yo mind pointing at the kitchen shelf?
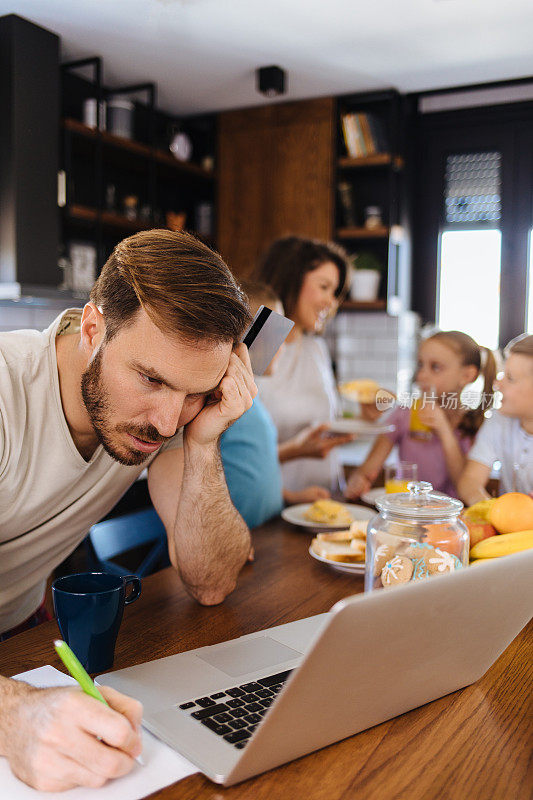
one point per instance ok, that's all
(377, 160)
(363, 305)
(111, 220)
(363, 233)
(137, 148)
(107, 218)
(372, 123)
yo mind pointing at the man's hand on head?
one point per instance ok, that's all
(233, 397)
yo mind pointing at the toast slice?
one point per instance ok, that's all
(340, 551)
(357, 530)
(336, 536)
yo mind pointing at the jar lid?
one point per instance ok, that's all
(420, 502)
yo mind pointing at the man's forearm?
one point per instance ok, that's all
(211, 541)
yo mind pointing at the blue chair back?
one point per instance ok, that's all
(115, 536)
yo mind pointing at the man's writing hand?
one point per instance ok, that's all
(56, 739)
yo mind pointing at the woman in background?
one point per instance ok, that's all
(308, 276)
(249, 447)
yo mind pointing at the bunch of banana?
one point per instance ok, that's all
(480, 510)
(502, 545)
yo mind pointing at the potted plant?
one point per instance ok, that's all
(366, 277)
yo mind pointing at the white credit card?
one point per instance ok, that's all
(265, 336)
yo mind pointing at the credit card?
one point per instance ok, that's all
(265, 336)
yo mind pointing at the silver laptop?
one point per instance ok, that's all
(245, 706)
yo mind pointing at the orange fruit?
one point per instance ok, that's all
(512, 512)
(443, 536)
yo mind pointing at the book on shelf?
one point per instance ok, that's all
(370, 144)
(364, 134)
(348, 134)
(353, 137)
(360, 139)
(347, 204)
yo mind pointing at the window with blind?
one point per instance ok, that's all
(469, 262)
(473, 217)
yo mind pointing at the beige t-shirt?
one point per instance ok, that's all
(49, 495)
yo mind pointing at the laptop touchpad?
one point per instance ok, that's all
(239, 658)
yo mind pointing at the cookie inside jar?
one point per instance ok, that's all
(417, 535)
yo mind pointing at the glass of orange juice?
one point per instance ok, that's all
(397, 476)
(417, 429)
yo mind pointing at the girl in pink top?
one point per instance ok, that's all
(447, 362)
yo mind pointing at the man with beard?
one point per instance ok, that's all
(148, 374)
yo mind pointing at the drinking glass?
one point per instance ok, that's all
(397, 476)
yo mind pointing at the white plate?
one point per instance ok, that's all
(372, 495)
(359, 426)
(357, 568)
(295, 514)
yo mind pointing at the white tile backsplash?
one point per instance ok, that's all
(375, 345)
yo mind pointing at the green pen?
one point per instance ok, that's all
(80, 675)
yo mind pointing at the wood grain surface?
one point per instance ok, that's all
(275, 168)
(474, 744)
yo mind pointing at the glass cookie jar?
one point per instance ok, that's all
(416, 535)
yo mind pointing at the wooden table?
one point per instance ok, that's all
(473, 744)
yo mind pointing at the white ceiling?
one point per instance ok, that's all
(203, 53)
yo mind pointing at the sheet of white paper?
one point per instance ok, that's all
(162, 765)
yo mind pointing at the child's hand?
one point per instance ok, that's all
(308, 495)
(358, 484)
(434, 418)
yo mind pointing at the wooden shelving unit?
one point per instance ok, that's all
(117, 222)
(107, 218)
(373, 123)
(363, 233)
(359, 305)
(82, 213)
(110, 221)
(116, 186)
(138, 149)
(377, 160)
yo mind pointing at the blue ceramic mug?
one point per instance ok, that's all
(89, 607)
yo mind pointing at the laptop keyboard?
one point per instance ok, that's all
(235, 714)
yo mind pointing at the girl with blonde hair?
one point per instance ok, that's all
(448, 361)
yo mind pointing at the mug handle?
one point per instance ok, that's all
(135, 583)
